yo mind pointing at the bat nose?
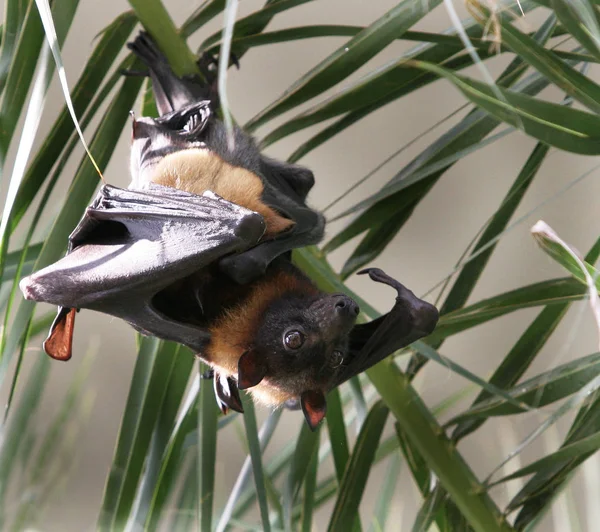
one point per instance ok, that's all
(345, 305)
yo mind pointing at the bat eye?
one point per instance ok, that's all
(293, 340)
(336, 359)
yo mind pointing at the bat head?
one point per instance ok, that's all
(299, 346)
(154, 138)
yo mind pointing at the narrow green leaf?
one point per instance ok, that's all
(20, 75)
(172, 457)
(337, 433)
(416, 463)
(390, 81)
(256, 457)
(471, 272)
(14, 15)
(327, 488)
(397, 209)
(83, 186)
(310, 484)
(54, 441)
(575, 84)
(559, 250)
(202, 14)
(360, 404)
(55, 44)
(433, 503)
(357, 472)
(207, 452)
(523, 352)
(255, 22)
(184, 517)
(23, 65)
(438, 54)
(95, 70)
(165, 427)
(539, 391)
(471, 130)
(157, 21)
(14, 257)
(517, 361)
(264, 436)
(386, 494)
(583, 447)
(154, 366)
(565, 258)
(348, 58)
(420, 426)
(305, 447)
(568, 129)
(337, 30)
(224, 55)
(581, 21)
(432, 354)
(542, 487)
(553, 292)
(19, 422)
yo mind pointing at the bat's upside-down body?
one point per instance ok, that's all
(197, 251)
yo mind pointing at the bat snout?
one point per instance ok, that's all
(346, 306)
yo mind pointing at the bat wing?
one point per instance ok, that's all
(130, 245)
(411, 318)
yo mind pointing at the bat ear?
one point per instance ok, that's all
(59, 343)
(314, 406)
(251, 369)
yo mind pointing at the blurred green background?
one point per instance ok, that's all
(65, 464)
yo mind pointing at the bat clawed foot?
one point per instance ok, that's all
(227, 394)
(209, 64)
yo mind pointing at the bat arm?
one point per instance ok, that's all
(253, 263)
(131, 245)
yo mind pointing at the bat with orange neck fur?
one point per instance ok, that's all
(196, 251)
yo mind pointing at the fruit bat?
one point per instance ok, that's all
(197, 250)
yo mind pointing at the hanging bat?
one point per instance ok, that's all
(197, 251)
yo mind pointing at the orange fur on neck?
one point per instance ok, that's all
(197, 170)
(233, 333)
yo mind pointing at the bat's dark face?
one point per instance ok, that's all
(305, 340)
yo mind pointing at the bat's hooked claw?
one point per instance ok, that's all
(227, 394)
